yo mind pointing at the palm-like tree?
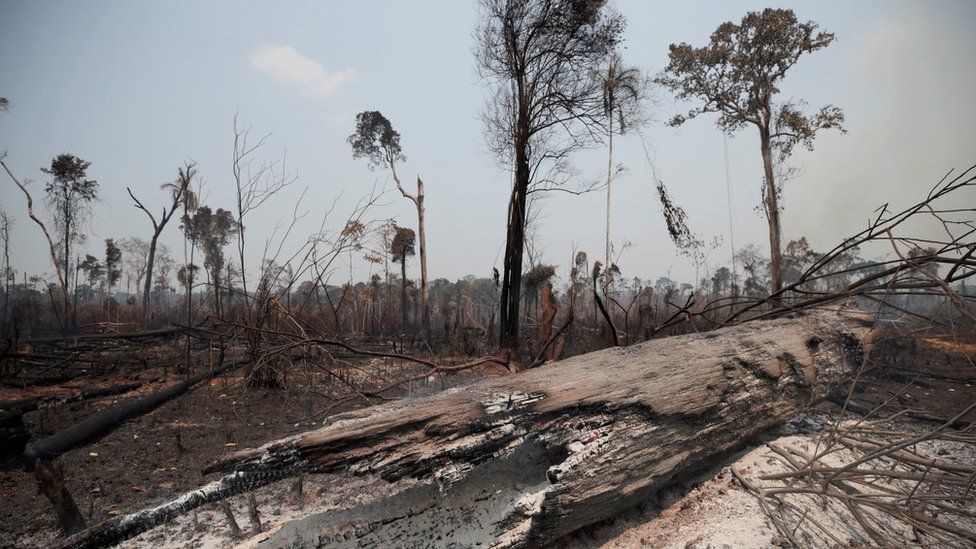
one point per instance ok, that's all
(181, 191)
(622, 98)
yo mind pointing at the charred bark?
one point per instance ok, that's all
(51, 484)
(524, 460)
(14, 434)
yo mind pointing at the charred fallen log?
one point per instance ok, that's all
(106, 421)
(24, 405)
(115, 530)
(162, 333)
(576, 442)
(525, 459)
(14, 434)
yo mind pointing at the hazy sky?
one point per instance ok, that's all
(137, 88)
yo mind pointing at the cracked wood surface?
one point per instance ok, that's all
(570, 443)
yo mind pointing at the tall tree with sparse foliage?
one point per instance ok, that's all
(377, 141)
(542, 58)
(623, 98)
(738, 75)
(70, 194)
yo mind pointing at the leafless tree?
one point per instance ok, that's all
(179, 187)
(135, 259)
(255, 182)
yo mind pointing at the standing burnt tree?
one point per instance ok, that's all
(737, 74)
(377, 141)
(541, 57)
(179, 188)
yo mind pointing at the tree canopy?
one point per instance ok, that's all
(376, 140)
(402, 245)
(740, 70)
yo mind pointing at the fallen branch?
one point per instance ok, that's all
(118, 529)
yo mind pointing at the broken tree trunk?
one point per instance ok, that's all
(526, 459)
(51, 483)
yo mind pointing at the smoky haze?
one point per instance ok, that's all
(137, 89)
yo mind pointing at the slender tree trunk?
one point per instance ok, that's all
(66, 214)
(606, 264)
(403, 293)
(30, 303)
(61, 274)
(188, 265)
(74, 304)
(772, 214)
(422, 236)
(149, 274)
(514, 247)
(189, 307)
(418, 201)
(7, 276)
(67, 261)
(215, 278)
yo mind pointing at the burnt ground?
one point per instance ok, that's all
(160, 455)
(929, 379)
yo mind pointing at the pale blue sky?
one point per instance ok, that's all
(138, 87)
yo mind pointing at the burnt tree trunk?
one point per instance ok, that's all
(515, 240)
(101, 423)
(772, 211)
(523, 460)
(51, 484)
